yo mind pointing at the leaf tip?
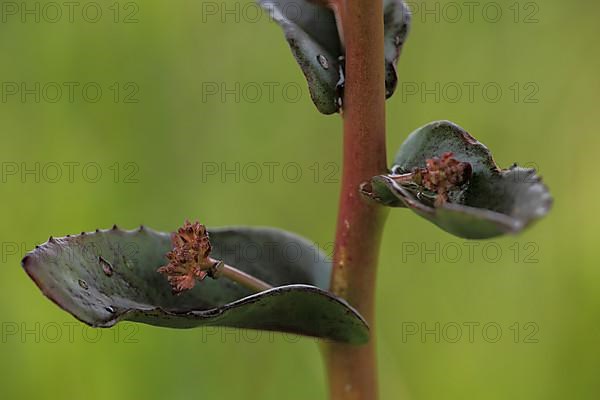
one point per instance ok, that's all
(26, 260)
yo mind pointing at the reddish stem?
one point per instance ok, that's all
(352, 370)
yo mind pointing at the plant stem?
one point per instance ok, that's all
(352, 370)
(220, 269)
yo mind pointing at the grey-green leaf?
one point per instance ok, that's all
(312, 34)
(108, 276)
(396, 19)
(493, 203)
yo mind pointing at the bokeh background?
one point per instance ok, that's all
(156, 125)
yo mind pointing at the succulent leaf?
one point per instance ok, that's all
(310, 27)
(312, 35)
(108, 276)
(396, 20)
(492, 203)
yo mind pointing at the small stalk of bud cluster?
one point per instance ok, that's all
(190, 262)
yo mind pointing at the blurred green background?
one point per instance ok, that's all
(154, 125)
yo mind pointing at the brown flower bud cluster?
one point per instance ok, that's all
(442, 175)
(189, 259)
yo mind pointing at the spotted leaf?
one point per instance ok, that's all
(108, 276)
(493, 202)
